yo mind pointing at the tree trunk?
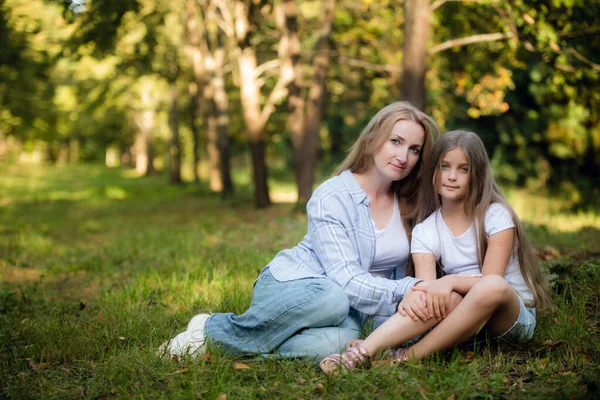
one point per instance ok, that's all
(193, 33)
(175, 144)
(214, 161)
(416, 34)
(259, 167)
(63, 153)
(305, 118)
(193, 110)
(221, 106)
(3, 147)
(250, 97)
(74, 150)
(316, 105)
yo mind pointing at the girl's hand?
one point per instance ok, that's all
(438, 296)
(414, 305)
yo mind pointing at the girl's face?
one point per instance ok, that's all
(454, 176)
(400, 153)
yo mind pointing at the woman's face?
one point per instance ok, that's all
(401, 151)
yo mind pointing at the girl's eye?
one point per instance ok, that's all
(395, 141)
(464, 169)
(415, 150)
(444, 166)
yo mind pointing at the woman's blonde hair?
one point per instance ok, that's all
(361, 155)
(484, 191)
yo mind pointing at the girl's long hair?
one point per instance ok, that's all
(484, 191)
(373, 137)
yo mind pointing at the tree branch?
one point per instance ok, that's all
(266, 66)
(438, 3)
(226, 21)
(354, 62)
(583, 59)
(488, 37)
(278, 92)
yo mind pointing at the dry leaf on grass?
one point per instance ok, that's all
(179, 371)
(320, 387)
(239, 365)
(379, 363)
(553, 343)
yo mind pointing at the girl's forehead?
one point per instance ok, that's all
(455, 151)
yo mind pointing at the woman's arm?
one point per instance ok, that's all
(328, 226)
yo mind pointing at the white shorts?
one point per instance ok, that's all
(523, 327)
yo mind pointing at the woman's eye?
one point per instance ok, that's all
(395, 141)
(415, 150)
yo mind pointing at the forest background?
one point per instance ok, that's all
(142, 143)
(196, 85)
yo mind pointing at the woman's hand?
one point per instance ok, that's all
(438, 296)
(414, 305)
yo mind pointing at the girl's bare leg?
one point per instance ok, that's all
(491, 301)
(398, 329)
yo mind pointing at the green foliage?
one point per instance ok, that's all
(72, 73)
(98, 268)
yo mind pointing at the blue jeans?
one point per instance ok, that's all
(299, 318)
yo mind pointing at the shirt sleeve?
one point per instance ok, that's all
(497, 219)
(328, 226)
(423, 241)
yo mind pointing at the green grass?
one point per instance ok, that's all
(98, 267)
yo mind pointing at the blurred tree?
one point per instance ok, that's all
(304, 117)
(207, 53)
(240, 21)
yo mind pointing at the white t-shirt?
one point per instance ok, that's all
(391, 246)
(458, 255)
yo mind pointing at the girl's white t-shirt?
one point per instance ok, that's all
(391, 246)
(458, 255)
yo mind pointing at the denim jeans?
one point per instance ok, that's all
(299, 318)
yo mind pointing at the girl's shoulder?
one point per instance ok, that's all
(497, 218)
(430, 224)
(497, 210)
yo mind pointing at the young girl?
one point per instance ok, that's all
(481, 244)
(350, 264)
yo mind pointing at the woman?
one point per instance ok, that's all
(309, 301)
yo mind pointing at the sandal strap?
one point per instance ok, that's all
(399, 355)
(354, 357)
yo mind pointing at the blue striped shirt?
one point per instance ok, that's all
(340, 244)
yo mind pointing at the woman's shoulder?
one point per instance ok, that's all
(331, 187)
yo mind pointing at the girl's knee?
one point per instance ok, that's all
(455, 299)
(491, 290)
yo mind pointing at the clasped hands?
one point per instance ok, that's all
(426, 300)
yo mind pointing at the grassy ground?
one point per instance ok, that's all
(98, 267)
